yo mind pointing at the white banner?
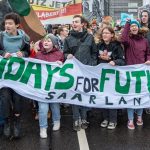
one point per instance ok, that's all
(101, 86)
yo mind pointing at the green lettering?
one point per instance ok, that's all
(11, 75)
(31, 71)
(148, 79)
(3, 63)
(50, 76)
(124, 89)
(138, 75)
(104, 78)
(70, 82)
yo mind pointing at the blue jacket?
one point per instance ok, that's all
(24, 47)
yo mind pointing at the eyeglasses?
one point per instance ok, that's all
(106, 33)
(66, 30)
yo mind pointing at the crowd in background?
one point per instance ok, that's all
(91, 44)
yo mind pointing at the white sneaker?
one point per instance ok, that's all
(43, 133)
(111, 125)
(56, 125)
(104, 124)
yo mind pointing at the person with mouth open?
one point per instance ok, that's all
(137, 51)
(80, 44)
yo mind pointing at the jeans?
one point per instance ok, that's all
(11, 102)
(43, 110)
(130, 111)
(79, 112)
(110, 115)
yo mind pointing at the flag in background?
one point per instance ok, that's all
(21, 7)
(124, 17)
(29, 20)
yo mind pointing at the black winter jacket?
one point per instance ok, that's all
(82, 46)
(148, 37)
(115, 52)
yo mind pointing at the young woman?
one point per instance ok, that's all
(137, 51)
(49, 53)
(111, 52)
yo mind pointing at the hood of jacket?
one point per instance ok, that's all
(79, 35)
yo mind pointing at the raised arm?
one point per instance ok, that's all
(125, 39)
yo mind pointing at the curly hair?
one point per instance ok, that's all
(98, 37)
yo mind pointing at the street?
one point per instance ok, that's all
(94, 138)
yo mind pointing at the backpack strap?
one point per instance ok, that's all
(1, 41)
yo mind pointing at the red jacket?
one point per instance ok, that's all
(52, 56)
(32, 53)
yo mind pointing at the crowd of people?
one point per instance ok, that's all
(91, 45)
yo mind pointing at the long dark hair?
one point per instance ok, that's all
(148, 18)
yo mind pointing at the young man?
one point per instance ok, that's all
(13, 41)
(80, 44)
(62, 34)
(145, 22)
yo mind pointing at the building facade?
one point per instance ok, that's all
(95, 9)
(146, 2)
(4, 9)
(124, 6)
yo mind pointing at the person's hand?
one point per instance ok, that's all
(19, 54)
(147, 62)
(37, 46)
(112, 63)
(59, 62)
(138, 19)
(70, 56)
(7, 55)
(32, 45)
(105, 52)
(128, 19)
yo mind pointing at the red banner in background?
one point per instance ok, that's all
(57, 11)
(66, 11)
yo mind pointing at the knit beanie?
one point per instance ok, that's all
(53, 39)
(135, 22)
